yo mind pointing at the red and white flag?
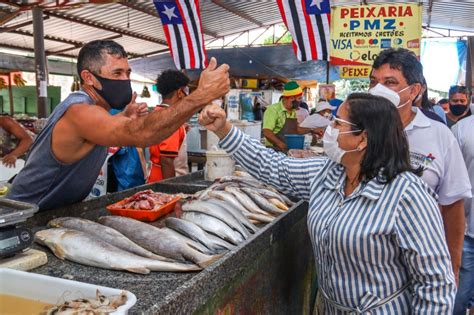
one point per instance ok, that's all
(183, 29)
(308, 23)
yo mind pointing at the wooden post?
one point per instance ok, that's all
(10, 93)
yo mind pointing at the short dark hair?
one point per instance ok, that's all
(443, 101)
(169, 81)
(387, 153)
(459, 89)
(403, 60)
(91, 56)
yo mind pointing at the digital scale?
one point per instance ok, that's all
(15, 237)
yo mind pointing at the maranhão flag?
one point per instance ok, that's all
(183, 30)
(308, 23)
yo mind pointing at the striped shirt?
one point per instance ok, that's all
(366, 245)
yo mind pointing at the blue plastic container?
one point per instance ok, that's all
(294, 141)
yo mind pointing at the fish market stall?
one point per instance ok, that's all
(270, 272)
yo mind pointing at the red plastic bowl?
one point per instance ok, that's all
(142, 215)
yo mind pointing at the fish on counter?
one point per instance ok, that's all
(105, 233)
(194, 232)
(81, 248)
(214, 226)
(158, 240)
(219, 213)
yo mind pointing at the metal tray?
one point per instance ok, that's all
(12, 212)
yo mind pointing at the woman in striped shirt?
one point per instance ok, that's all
(375, 227)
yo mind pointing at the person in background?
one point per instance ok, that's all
(301, 113)
(444, 104)
(68, 154)
(257, 109)
(375, 227)
(423, 103)
(14, 141)
(459, 101)
(464, 133)
(325, 109)
(304, 105)
(127, 166)
(173, 86)
(336, 103)
(280, 118)
(397, 74)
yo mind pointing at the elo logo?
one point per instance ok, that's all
(354, 55)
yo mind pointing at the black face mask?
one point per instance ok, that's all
(295, 104)
(118, 93)
(457, 109)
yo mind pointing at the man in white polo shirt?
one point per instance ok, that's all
(464, 131)
(398, 75)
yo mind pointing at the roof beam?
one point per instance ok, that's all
(49, 37)
(19, 25)
(245, 16)
(9, 17)
(32, 50)
(99, 25)
(137, 7)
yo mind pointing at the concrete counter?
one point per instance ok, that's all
(270, 273)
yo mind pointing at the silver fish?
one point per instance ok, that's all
(79, 247)
(192, 243)
(157, 240)
(268, 194)
(245, 200)
(260, 217)
(228, 198)
(262, 202)
(105, 233)
(236, 213)
(277, 203)
(217, 212)
(214, 226)
(193, 231)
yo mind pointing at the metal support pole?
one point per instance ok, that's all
(470, 63)
(10, 93)
(40, 62)
(328, 68)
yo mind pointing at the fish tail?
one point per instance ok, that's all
(209, 260)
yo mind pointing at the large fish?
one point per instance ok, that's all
(268, 194)
(217, 212)
(190, 242)
(79, 247)
(214, 226)
(228, 198)
(199, 235)
(245, 200)
(105, 233)
(157, 240)
(236, 213)
(262, 202)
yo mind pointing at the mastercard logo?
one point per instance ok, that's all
(360, 42)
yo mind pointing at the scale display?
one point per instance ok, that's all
(9, 242)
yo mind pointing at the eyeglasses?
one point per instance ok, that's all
(338, 120)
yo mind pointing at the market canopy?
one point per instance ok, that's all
(136, 25)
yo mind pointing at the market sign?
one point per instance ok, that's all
(359, 33)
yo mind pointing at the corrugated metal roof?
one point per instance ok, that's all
(144, 33)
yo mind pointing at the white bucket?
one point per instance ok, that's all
(218, 164)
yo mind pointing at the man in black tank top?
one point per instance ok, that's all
(66, 157)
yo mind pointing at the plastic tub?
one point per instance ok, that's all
(294, 141)
(53, 290)
(142, 215)
(218, 164)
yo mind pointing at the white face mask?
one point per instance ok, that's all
(391, 95)
(331, 146)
